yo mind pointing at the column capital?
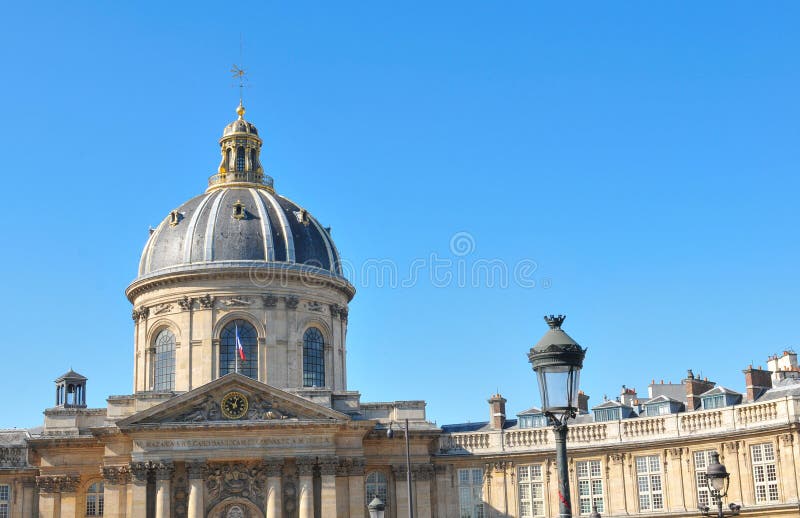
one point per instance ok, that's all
(116, 475)
(440, 469)
(48, 484)
(273, 467)
(328, 465)
(423, 472)
(305, 466)
(28, 481)
(141, 471)
(399, 470)
(196, 468)
(164, 470)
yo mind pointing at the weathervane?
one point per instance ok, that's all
(240, 74)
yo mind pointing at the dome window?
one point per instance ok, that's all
(313, 358)
(174, 218)
(238, 210)
(302, 216)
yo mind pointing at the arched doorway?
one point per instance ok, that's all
(235, 508)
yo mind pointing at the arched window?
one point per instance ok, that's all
(240, 159)
(313, 358)
(375, 485)
(164, 379)
(94, 500)
(229, 355)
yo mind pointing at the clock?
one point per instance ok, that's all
(234, 405)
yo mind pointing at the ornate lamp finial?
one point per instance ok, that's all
(555, 321)
(240, 110)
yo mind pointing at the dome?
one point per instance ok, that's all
(239, 221)
(238, 226)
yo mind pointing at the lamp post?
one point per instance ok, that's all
(376, 508)
(718, 480)
(390, 434)
(557, 360)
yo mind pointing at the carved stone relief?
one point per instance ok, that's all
(237, 480)
(13, 457)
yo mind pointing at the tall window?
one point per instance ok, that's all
(765, 475)
(94, 500)
(313, 358)
(590, 486)
(5, 498)
(229, 355)
(649, 483)
(531, 491)
(375, 485)
(240, 159)
(701, 461)
(470, 492)
(165, 361)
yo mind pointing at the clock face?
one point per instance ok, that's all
(234, 405)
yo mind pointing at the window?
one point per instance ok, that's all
(532, 421)
(240, 159)
(701, 461)
(164, 379)
(313, 358)
(649, 483)
(710, 402)
(590, 486)
(5, 498)
(659, 409)
(94, 500)
(229, 357)
(531, 491)
(470, 492)
(607, 414)
(375, 485)
(765, 476)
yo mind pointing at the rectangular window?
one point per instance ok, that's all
(649, 483)
(531, 491)
(532, 421)
(713, 402)
(659, 409)
(701, 461)
(470, 492)
(590, 486)
(607, 414)
(5, 499)
(765, 475)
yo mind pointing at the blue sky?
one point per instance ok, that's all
(643, 155)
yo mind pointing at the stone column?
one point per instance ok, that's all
(195, 470)
(28, 490)
(422, 485)
(163, 489)
(274, 503)
(305, 493)
(137, 490)
(355, 488)
(443, 488)
(69, 497)
(400, 490)
(115, 491)
(786, 468)
(49, 497)
(327, 468)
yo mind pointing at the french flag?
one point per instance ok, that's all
(239, 347)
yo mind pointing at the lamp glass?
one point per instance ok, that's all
(717, 483)
(558, 385)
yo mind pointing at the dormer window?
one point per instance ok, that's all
(607, 414)
(174, 218)
(711, 402)
(532, 421)
(238, 210)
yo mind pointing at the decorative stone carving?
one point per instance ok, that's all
(180, 497)
(140, 314)
(335, 309)
(305, 466)
(440, 469)
(273, 467)
(289, 498)
(343, 467)
(186, 303)
(58, 483)
(116, 475)
(357, 466)
(314, 306)
(12, 457)
(270, 300)
(261, 409)
(328, 465)
(425, 471)
(343, 314)
(732, 446)
(675, 452)
(195, 469)
(162, 308)
(164, 470)
(291, 302)
(140, 471)
(206, 301)
(786, 439)
(237, 302)
(48, 484)
(399, 470)
(235, 480)
(207, 411)
(616, 457)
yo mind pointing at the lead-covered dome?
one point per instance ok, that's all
(239, 221)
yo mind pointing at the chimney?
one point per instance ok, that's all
(497, 412)
(694, 387)
(757, 382)
(583, 403)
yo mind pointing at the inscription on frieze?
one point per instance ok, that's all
(306, 441)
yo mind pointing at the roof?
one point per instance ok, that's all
(662, 399)
(720, 390)
(482, 426)
(531, 411)
(782, 388)
(611, 404)
(71, 375)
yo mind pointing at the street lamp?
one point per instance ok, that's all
(557, 360)
(718, 480)
(376, 508)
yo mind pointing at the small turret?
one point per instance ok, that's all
(71, 390)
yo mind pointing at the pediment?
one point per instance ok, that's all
(265, 404)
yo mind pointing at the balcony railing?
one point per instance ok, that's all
(700, 423)
(241, 177)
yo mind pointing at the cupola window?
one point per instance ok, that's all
(230, 358)
(164, 379)
(313, 358)
(240, 159)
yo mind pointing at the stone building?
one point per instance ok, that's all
(241, 408)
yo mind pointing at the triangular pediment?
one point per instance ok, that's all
(232, 399)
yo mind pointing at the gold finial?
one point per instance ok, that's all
(240, 110)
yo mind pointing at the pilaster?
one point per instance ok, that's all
(305, 471)
(115, 491)
(137, 489)
(328, 466)
(274, 501)
(422, 489)
(195, 471)
(355, 481)
(164, 472)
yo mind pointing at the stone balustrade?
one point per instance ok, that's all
(701, 423)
